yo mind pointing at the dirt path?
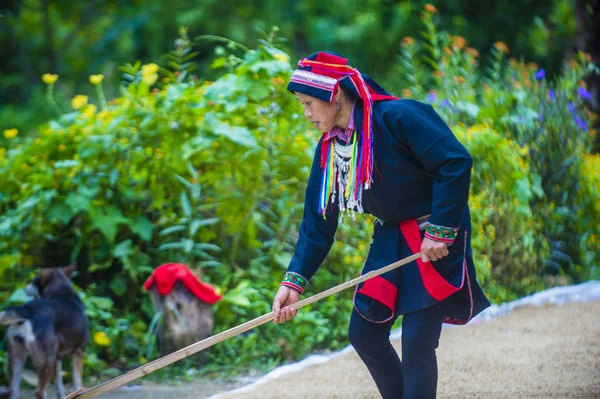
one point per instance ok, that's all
(533, 352)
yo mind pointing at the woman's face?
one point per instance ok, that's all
(322, 114)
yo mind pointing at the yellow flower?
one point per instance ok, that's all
(101, 339)
(62, 147)
(281, 57)
(406, 93)
(90, 110)
(150, 78)
(96, 79)
(11, 133)
(49, 78)
(430, 8)
(79, 101)
(149, 69)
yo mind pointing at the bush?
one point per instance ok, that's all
(507, 239)
(211, 174)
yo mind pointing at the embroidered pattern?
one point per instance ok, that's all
(441, 233)
(295, 280)
(314, 80)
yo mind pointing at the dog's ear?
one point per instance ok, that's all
(70, 269)
(43, 278)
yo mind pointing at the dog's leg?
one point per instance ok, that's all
(17, 356)
(78, 368)
(45, 372)
(43, 354)
(60, 388)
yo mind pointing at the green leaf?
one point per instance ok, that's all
(61, 213)
(171, 230)
(143, 227)
(238, 134)
(79, 203)
(207, 246)
(223, 88)
(196, 224)
(121, 250)
(100, 302)
(118, 285)
(283, 259)
(107, 221)
(185, 204)
(211, 263)
(188, 245)
(171, 245)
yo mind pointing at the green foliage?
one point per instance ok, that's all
(210, 174)
(515, 98)
(507, 238)
(38, 36)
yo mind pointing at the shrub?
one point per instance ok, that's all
(507, 238)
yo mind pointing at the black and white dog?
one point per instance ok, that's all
(48, 328)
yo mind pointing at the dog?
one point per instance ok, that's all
(48, 328)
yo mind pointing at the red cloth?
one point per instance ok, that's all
(165, 276)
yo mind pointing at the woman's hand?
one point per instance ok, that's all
(433, 250)
(285, 296)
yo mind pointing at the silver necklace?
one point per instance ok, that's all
(341, 165)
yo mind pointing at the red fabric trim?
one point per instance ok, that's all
(381, 290)
(434, 283)
(331, 59)
(435, 238)
(165, 276)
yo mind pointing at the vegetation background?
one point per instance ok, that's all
(135, 134)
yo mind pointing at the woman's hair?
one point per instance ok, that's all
(347, 94)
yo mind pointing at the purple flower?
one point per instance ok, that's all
(540, 74)
(444, 103)
(571, 108)
(540, 117)
(431, 97)
(580, 122)
(551, 94)
(583, 93)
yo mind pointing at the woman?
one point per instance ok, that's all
(397, 160)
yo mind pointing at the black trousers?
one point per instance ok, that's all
(416, 375)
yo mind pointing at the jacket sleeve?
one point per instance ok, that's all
(316, 232)
(443, 156)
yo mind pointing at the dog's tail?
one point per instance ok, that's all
(10, 316)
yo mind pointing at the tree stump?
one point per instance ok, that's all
(186, 318)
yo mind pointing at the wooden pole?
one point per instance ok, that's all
(222, 336)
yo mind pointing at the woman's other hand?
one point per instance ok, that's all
(285, 296)
(433, 250)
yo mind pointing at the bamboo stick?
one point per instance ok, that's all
(222, 336)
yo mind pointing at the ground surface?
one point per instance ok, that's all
(533, 352)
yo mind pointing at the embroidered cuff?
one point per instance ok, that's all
(441, 233)
(295, 281)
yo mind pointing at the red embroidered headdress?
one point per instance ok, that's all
(320, 76)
